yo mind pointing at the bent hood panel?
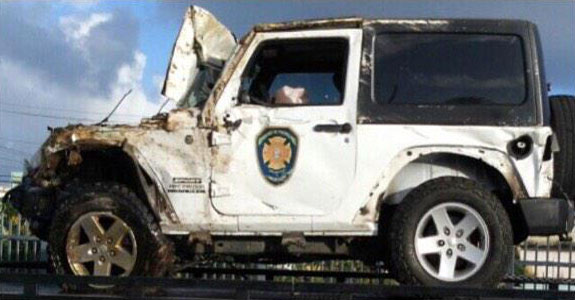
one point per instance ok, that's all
(202, 48)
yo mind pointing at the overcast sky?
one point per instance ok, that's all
(66, 62)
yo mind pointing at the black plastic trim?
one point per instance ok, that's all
(547, 216)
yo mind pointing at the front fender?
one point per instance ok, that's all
(64, 153)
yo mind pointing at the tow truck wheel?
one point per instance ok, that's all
(450, 231)
(103, 229)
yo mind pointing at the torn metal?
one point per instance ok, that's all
(202, 48)
(162, 136)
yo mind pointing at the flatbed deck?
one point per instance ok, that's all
(50, 286)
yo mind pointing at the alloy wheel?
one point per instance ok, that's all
(452, 241)
(101, 244)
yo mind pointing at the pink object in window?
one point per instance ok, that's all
(291, 95)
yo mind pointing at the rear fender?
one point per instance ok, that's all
(496, 159)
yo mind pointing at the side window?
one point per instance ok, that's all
(449, 69)
(296, 72)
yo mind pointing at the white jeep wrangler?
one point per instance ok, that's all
(426, 144)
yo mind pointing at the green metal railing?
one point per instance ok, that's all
(17, 244)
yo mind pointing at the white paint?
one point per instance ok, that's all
(338, 179)
(337, 175)
(316, 172)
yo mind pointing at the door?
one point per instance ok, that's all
(292, 145)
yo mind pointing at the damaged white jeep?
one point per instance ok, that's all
(430, 145)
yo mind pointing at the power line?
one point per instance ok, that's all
(8, 181)
(13, 159)
(66, 109)
(13, 163)
(15, 150)
(20, 141)
(12, 168)
(14, 155)
(10, 159)
(7, 175)
(47, 116)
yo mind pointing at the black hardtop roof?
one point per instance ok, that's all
(356, 22)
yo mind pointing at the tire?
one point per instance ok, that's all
(454, 195)
(563, 123)
(111, 206)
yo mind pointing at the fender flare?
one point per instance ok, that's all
(160, 204)
(497, 159)
(149, 185)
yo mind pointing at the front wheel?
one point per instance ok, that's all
(450, 231)
(103, 229)
(100, 243)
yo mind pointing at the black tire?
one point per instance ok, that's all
(155, 252)
(405, 266)
(563, 123)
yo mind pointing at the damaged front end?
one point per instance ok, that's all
(34, 198)
(52, 168)
(135, 155)
(129, 155)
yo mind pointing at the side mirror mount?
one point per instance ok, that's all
(244, 97)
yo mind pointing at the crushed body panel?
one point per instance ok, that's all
(202, 48)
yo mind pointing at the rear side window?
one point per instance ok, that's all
(449, 69)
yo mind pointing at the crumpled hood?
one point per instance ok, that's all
(84, 137)
(116, 134)
(201, 49)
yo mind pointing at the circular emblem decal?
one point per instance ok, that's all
(277, 150)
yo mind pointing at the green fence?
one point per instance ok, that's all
(16, 242)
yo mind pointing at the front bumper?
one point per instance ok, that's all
(547, 216)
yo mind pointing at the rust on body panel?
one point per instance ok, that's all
(153, 140)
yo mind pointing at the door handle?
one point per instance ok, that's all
(333, 128)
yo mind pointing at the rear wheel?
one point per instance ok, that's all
(451, 252)
(450, 231)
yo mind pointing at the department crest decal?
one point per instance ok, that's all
(277, 152)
